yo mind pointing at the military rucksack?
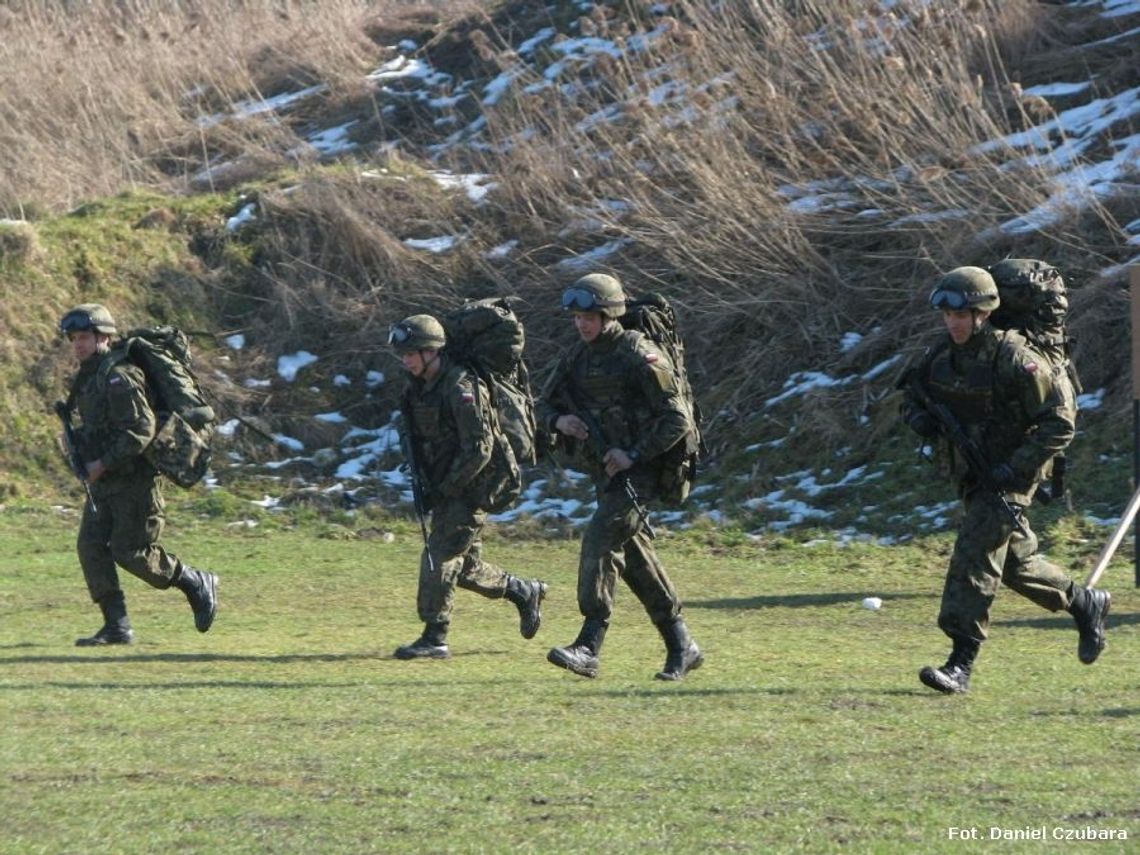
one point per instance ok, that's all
(180, 449)
(653, 316)
(1035, 303)
(488, 338)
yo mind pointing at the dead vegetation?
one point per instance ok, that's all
(786, 172)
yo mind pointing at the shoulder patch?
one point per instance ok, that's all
(1030, 367)
(467, 397)
(115, 380)
(651, 358)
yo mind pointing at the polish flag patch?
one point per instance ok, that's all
(1030, 368)
(467, 397)
(115, 380)
(651, 358)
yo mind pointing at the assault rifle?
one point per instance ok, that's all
(419, 501)
(71, 446)
(598, 440)
(973, 455)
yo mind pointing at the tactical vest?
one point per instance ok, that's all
(604, 388)
(498, 484)
(969, 394)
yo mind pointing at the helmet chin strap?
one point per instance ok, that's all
(428, 363)
(980, 317)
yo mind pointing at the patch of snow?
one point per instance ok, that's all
(288, 365)
(435, 244)
(247, 214)
(1091, 400)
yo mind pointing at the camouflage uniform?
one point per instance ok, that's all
(452, 446)
(453, 449)
(117, 425)
(625, 383)
(1019, 409)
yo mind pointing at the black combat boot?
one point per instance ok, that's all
(201, 590)
(527, 597)
(116, 627)
(581, 657)
(1089, 608)
(431, 645)
(682, 654)
(953, 678)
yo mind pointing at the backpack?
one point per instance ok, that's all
(180, 449)
(1035, 303)
(487, 337)
(653, 316)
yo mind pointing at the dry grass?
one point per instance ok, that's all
(712, 139)
(109, 95)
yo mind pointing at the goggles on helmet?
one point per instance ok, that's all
(955, 300)
(584, 300)
(75, 322)
(399, 333)
(581, 300)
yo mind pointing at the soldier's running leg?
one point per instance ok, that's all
(490, 580)
(454, 530)
(94, 551)
(1047, 585)
(972, 582)
(600, 561)
(646, 577)
(138, 518)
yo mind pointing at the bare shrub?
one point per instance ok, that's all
(18, 242)
(111, 95)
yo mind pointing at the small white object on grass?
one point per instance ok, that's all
(872, 603)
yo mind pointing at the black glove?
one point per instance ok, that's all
(924, 424)
(1002, 474)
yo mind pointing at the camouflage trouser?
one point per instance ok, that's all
(125, 531)
(615, 544)
(988, 552)
(455, 551)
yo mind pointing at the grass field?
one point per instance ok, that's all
(289, 727)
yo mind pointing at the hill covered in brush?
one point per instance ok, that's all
(289, 178)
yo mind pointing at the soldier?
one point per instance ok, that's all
(618, 384)
(449, 444)
(1020, 414)
(123, 523)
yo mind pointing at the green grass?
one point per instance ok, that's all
(288, 728)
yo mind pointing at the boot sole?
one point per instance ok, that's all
(408, 657)
(104, 642)
(204, 622)
(929, 678)
(542, 588)
(1089, 660)
(554, 659)
(671, 677)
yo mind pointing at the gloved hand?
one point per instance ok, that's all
(924, 424)
(1002, 474)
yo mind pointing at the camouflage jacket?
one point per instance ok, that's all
(451, 431)
(117, 422)
(626, 384)
(1017, 406)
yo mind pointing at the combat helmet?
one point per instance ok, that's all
(965, 288)
(88, 316)
(596, 292)
(417, 332)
